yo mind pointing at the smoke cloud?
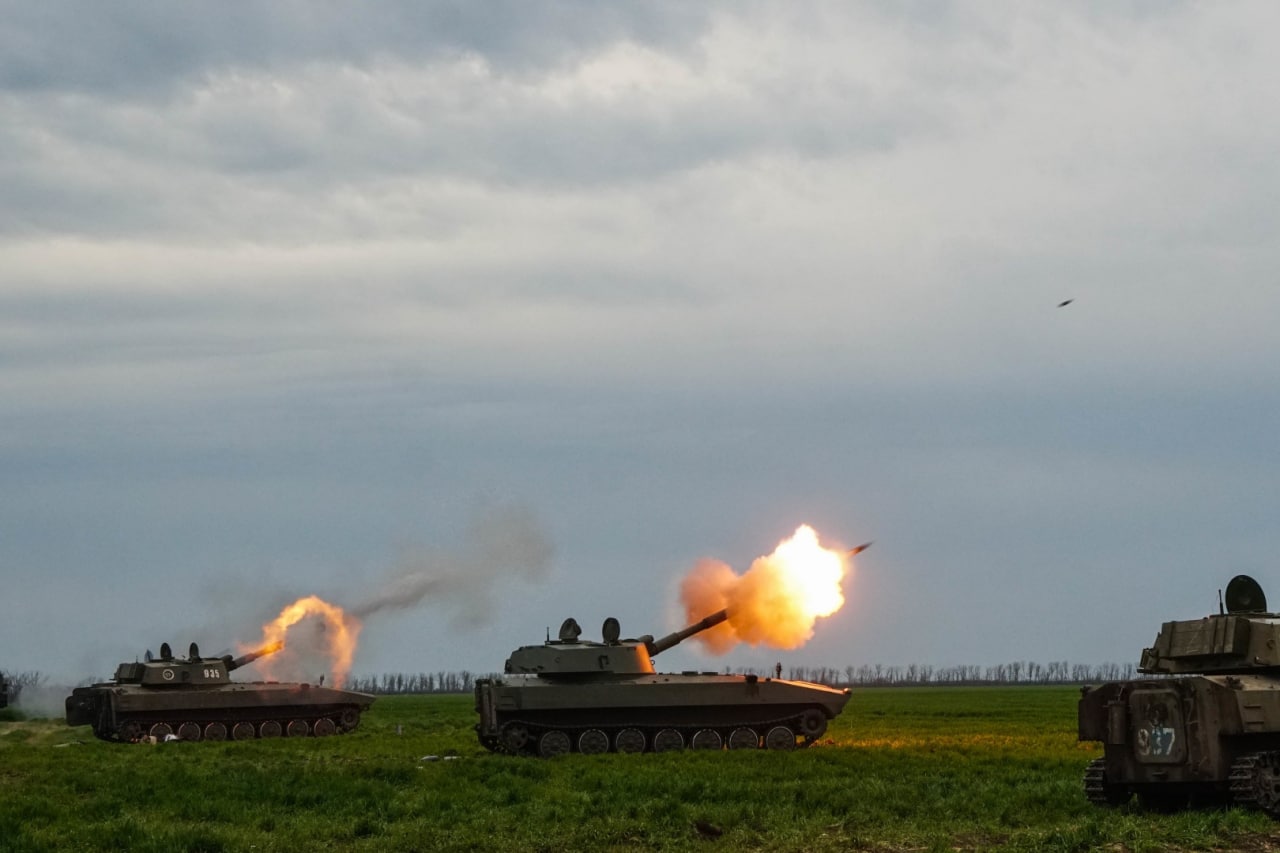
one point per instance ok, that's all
(42, 701)
(504, 543)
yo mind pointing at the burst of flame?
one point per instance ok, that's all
(336, 639)
(776, 602)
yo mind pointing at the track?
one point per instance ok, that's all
(531, 737)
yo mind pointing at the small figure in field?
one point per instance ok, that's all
(777, 669)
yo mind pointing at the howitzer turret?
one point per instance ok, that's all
(569, 656)
(194, 699)
(578, 695)
(1208, 726)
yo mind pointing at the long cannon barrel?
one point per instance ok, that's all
(661, 645)
(245, 659)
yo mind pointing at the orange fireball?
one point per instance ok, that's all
(332, 638)
(776, 602)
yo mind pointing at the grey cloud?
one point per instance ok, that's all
(142, 46)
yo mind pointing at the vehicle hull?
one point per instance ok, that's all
(1169, 740)
(687, 704)
(249, 709)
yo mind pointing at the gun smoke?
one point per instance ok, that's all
(502, 544)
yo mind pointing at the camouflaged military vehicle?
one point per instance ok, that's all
(194, 699)
(572, 695)
(1208, 726)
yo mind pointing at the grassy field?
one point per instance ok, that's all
(900, 769)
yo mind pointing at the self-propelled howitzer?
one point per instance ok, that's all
(1206, 725)
(193, 698)
(573, 695)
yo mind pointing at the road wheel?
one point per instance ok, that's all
(349, 718)
(592, 742)
(629, 740)
(744, 738)
(780, 737)
(189, 731)
(215, 731)
(324, 727)
(668, 740)
(161, 730)
(706, 739)
(298, 728)
(271, 728)
(553, 743)
(243, 731)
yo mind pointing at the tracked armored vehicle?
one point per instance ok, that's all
(571, 695)
(1206, 727)
(194, 699)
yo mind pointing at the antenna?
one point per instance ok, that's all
(1221, 611)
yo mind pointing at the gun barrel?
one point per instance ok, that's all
(250, 657)
(662, 644)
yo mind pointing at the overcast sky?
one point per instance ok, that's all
(553, 299)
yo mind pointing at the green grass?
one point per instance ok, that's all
(901, 769)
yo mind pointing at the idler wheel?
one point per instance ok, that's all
(349, 718)
(130, 731)
(243, 731)
(592, 742)
(780, 737)
(161, 730)
(706, 739)
(215, 731)
(553, 743)
(189, 731)
(668, 740)
(629, 740)
(324, 727)
(812, 724)
(271, 728)
(298, 728)
(514, 736)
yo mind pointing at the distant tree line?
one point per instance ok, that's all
(414, 682)
(866, 675)
(16, 682)
(1014, 672)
